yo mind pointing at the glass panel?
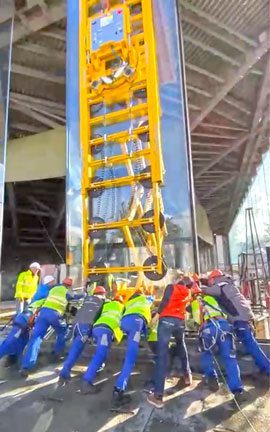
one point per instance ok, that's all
(73, 177)
(6, 27)
(180, 244)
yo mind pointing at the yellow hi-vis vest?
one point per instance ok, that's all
(205, 309)
(152, 334)
(37, 304)
(111, 315)
(26, 285)
(139, 305)
(57, 299)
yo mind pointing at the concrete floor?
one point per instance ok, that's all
(38, 405)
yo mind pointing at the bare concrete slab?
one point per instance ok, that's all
(38, 405)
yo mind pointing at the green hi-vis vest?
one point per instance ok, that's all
(139, 305)
(110, 316)
(205, 309)
(57, 299)
(152, 334)
(37, 304)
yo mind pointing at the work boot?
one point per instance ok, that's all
(24, 373)
(120, 398)
(62, 381)
(55, 358)
(149, 387)
(213, 384)
(155, 400)
(240, 396)
(88, 388)
(11, 360)
(102, 367)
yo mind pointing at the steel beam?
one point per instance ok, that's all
(219, 186)
(37, 74)
(32, 114)
(36, 22)
(250, 150)
(42, 206)
(233, 77)
(26, 127)
(42, 50)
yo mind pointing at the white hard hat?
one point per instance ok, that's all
(47, 279)
(35, 265)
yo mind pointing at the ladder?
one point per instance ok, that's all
(120, 139)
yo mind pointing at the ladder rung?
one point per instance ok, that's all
(137, 109)
(120, 224)
(121, 181)
(136, 17)
(119, 135)
(119, 159)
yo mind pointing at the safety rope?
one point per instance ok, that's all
(234, 399)
(48, 235)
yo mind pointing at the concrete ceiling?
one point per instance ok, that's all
(227, 75)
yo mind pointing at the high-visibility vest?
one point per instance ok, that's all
(152, 334)
(26, 285)
(57, 299)
(205, 309)
(37, 304)
(140, 306)
(110, 316)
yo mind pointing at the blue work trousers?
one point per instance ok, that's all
(15, 342)
(133, 325)
(244, 333)
(218, 334)
(82, 332)
(168, 327)
(46, 318)
(103, 337)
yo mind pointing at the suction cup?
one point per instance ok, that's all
(96, 277)
(147, 183)
(154, 275)
(96, 192)
(96, 234)
(150, 228)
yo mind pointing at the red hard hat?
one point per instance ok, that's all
(99, 290)
(215, 273)
(68, 281)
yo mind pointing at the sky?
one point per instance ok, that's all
(258, 198)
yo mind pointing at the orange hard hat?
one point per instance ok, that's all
(68, 281)
(215, 273)
(99, 290)
(118, 298)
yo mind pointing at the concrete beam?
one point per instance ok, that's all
(38, 101)
(26, 127)
(41, 205)
(233, 77)
(34, 23)
(56, 34)
(32, 114)
(37, 74)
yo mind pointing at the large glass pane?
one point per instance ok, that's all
(180, 244)
(6, 26)
(73, 176)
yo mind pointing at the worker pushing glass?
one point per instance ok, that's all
(83, 324)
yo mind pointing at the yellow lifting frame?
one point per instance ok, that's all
(153, 153)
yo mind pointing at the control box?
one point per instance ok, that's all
(108, 28)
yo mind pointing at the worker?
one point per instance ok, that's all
(215, 332)
(51, 314)
(18, 337)
(26, 286)
(171, 317)
(105, 330)
(239, 313)
(135, 320)
(83, 323)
